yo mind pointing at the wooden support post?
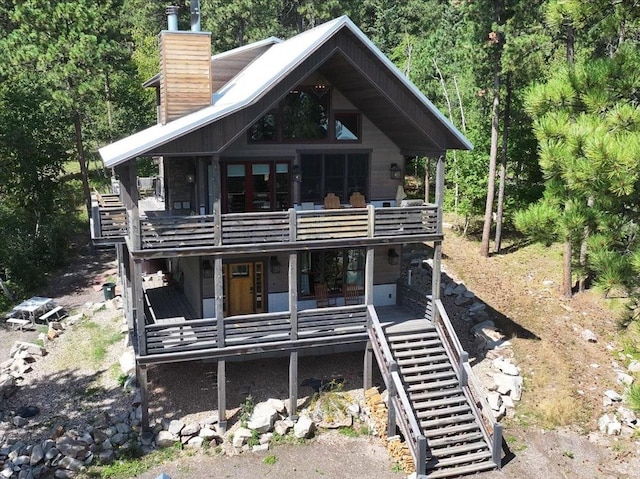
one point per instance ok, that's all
(219, 300)
(368, 276)
(141, 372)
(134, 212)
(464, 360)
(497, 445)
(293, 385)
(222, 396)
(367, 376)
(217, 202)
(293, 315)
(391, 410)
(138, 307)
(421, 466)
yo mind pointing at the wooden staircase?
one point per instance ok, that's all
(456, 444)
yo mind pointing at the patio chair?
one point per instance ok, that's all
(322, 296)
(357, 200)
(351, 294)
(331, 201)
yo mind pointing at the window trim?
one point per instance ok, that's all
(355, 113)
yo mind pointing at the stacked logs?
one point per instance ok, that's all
(396, 447)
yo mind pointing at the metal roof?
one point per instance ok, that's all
(251, 84)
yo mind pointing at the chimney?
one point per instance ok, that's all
(172, 18)
(185, 67)
(195, 15)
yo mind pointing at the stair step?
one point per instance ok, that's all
(444, 411)
(423, 359)
(445, 421)
(415, 344)
(394, 338)
(455, 460)
(460, 449)
(419, 405)
(422, 352)
(422, 368)
(446, 431)
(461, 470)
(456, 439)
(439, 393)
(409, 379)
(432, 385)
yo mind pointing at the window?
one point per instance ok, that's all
(305, 114)
(339, 173)
(265, 129)
(256, 186)
(347, 126)
(334, 268)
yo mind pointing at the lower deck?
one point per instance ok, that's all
(171, 332)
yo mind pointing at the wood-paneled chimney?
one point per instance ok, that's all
(185, 67)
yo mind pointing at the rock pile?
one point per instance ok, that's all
(617, 419)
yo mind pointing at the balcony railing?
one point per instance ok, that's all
(161, 232)
(288, 226)
(178, 339)
(108, 219)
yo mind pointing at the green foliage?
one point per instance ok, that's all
(246, 409)
(538, 222)
(134, 465)
(270, 460)
(633, 397)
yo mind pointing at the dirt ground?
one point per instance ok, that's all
(549, 437)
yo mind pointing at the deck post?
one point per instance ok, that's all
(497, 445)
(391, 411)
(222, 396)
(368, 276)
(141, 372)
(368, 366)
(138, 307)
(293, 385)
(134, 212)
(437, 245)
(293, 315)
(217, 202)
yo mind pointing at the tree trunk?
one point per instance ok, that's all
(84, 168)
(493, 157)
(567, 290)
(6, 290)
(583, 250)
(571, 39)
(503, 167)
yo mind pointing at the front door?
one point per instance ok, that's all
(245, 283)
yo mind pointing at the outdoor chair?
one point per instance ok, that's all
(322, 296)
(331, 201)
(357, 200)
(351, 294)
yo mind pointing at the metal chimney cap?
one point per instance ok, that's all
(173, 10)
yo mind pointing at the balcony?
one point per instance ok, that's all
(161, 234)
(108, 220)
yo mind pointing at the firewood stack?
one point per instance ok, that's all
(396, 447)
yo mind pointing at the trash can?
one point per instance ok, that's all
(109, 290)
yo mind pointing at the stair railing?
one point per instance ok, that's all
(491, 429)
(400, 410)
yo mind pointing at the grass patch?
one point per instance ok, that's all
(348, 431)
(101, 339)
(558, 411)
(633, 397)
(568, 454)
(278, 439)
(133, 466)
(270, 460)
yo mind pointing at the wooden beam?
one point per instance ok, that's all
(141, 372)
(368, 366)
(219, 299)
(222, 395)
(138, 306)
(293, 385)
(134, 212)
(368, 276)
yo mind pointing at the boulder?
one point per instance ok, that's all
(505, 366)
(589, 336)
(283, 426)
(165, 439)
(304, 428)
(495, 400)
(263, 417)
(190, 430)
(128, 362)
(175, 426)
(624, 378)
(634, 366)
(195, 442)
(614, 396)
(37, 455)
(241, 436)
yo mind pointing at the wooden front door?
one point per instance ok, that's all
(245, 283)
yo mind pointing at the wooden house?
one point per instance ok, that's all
(280, 229)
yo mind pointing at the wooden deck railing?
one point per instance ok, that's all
(401, 413)
(108, 219)
(284, 227)
(491, 429)
(174, 339)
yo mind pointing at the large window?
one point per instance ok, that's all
(256, 186)
(333, 268)
(339, 173)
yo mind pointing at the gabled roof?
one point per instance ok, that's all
(255, 81)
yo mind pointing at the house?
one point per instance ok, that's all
(280, 227)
